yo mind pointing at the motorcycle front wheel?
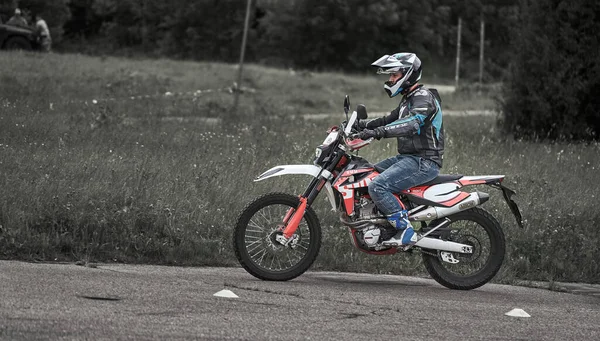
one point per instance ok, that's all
(475, 227)
(255, 244)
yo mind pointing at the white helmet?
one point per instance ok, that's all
(406, 63)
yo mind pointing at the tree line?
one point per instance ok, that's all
(543, 51)
(315, 34)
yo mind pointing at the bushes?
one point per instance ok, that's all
(554, 79)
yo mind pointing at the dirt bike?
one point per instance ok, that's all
(278, 236)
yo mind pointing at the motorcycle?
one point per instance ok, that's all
(277, 236)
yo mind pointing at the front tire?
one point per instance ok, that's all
(479, 229)
(254, 239)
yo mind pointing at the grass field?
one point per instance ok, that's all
(154, 180)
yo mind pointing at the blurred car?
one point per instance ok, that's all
(17, 37)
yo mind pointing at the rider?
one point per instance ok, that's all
(417, 125)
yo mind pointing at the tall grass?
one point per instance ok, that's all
(154, 180)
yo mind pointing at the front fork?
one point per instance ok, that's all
(294, 216)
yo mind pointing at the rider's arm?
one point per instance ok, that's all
(378, 122)
(405, 127)
(422, 108)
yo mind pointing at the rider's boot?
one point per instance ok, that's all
(406, 234)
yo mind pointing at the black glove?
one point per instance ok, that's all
(361, 124)
(377, 133)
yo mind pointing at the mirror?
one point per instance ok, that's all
(347, 104)
(361, 110)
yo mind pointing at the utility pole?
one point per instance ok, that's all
(238, 85)
(458, 53)
(144, 26)
(481, 46)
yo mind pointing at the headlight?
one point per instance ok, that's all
(319, 155)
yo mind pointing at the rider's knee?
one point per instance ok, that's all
(377, 186)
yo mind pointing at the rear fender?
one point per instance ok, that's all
(496, 182)
(480, 179)
(508, 194)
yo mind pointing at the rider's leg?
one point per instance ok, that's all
(408, 171)
(406, 234)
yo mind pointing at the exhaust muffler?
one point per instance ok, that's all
(434, 212)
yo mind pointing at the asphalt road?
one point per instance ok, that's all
(58, 301)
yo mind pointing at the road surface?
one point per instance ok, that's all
(65, 301)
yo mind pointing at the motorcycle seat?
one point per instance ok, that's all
(441, 178)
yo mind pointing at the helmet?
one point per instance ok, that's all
(406, 63)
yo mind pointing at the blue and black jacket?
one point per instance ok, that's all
(417, 124)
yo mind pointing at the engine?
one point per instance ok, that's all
(366, 210)
(370, 226)
(371, 235)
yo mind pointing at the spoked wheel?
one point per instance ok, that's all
(479, 229)
(255, 239)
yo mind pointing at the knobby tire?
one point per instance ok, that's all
(239, 238)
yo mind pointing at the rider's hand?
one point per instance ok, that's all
(377, 133)
(361, 124)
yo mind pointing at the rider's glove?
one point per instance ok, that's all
(362, 124)
(377, 133)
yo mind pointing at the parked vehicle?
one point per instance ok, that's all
(278, 235)
(17, 38)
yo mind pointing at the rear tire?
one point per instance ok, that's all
(17, 43)
(258, 252)
(446, 274)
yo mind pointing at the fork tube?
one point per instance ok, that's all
(292, 226)
(315, 190)
(294, 215)
(311, 186)
(288, 215)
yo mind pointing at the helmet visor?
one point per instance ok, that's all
(391, 71)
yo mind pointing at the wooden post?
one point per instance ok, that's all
(238, 85)
(144, 26)
(458, 53)
(481, 47)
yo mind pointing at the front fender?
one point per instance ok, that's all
(311, 170)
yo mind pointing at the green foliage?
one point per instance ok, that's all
(310, 34)
(554, 80)
(204, 30)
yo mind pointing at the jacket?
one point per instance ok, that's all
(417, 124)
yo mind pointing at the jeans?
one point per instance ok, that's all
(401, 172)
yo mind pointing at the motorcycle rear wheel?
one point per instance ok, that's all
(254, 239)
(478, 228)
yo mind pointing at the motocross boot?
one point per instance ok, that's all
(406, 234)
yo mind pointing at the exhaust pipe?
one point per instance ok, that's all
(434, 212)
(362, 223)
(442, 245)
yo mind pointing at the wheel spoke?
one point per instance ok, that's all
(261, 257)
(470, 233)
(256, 254)
(255, 225)
(257, 241)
